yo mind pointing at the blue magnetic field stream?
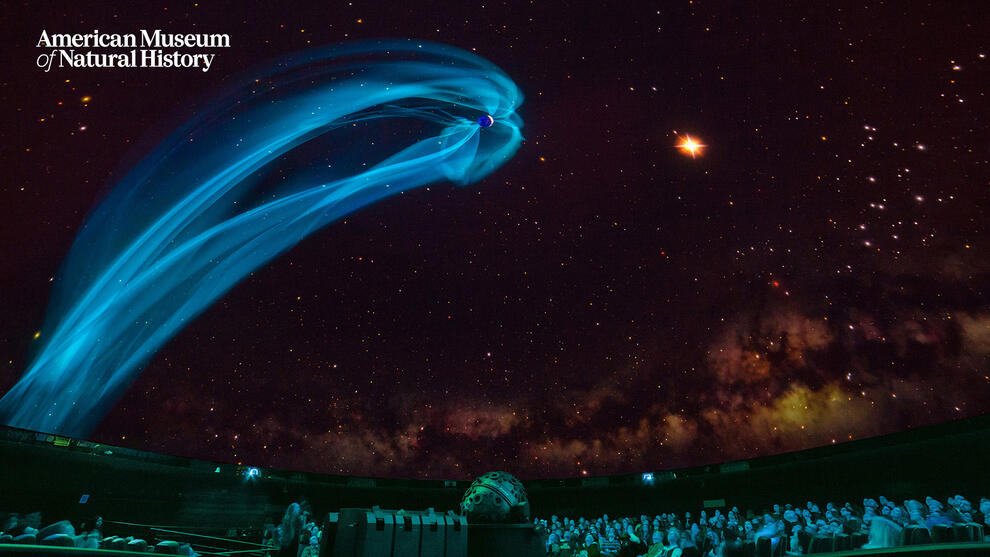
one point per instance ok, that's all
(293, 147)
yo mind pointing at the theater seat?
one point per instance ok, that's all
(942, 533)
(917, 535)
(26, 539)
(732, 550)
(139, 546)
(859, 539)
(60, 540)
(804, 539)
(60, 527)
(822, 544)
(167, 547)
(968, 532)
(6, 538)
(842, 543)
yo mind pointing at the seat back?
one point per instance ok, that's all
(943, 533)
(917, 535)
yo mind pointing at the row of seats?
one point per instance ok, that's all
(942, 533)
(911, 535)
(115, 543)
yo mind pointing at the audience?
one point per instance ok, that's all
(778, 530)
(297, 535)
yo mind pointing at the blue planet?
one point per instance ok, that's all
(486, 121)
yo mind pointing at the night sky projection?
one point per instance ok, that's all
(728, 233)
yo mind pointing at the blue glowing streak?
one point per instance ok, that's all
(302, 143)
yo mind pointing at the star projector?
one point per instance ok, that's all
(496, 497)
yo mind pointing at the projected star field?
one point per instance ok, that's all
(727, 233)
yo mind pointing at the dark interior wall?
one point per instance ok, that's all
(52, 480)
(939, 465)
(129, 486)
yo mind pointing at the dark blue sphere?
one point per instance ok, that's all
(486, 121)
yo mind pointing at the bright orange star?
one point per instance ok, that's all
(690, 146)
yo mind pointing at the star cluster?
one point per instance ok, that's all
(611, 300)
